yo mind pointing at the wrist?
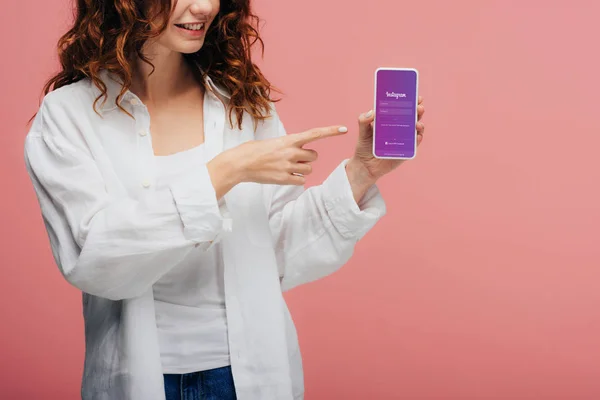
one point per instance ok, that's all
(359, 177)
(224, 172)
(359, 173)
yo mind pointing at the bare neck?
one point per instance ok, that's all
(172, 76)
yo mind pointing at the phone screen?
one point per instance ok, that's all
(395, 113)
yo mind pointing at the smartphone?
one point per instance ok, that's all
(395, 125)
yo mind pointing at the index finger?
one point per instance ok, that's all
(300, 139)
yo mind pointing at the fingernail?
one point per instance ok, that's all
(343, 129)
(368, 115)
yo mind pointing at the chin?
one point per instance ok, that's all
(190, 49)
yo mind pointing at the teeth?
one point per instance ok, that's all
(193, 27)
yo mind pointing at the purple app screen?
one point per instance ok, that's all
(395, 113)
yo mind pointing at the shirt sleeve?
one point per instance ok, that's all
(316, 230)
(104, 242)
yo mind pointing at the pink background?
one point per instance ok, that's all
(483, 280)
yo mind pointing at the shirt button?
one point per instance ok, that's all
(197, 245)
(143, 133)
(134, 102)
(146, 184)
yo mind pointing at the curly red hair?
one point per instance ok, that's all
(109, 34)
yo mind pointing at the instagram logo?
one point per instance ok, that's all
(395, 95)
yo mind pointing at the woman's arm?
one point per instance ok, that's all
(109, 244)
(315, 230)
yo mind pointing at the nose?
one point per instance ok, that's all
(201, 7)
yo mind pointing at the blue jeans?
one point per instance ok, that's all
(213, 384)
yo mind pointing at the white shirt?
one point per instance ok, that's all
(113, 235)
(190, 298)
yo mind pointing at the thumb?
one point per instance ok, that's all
(365, 129)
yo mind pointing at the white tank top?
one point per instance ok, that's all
(190, 298)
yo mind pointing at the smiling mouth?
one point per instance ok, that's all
(191, 27)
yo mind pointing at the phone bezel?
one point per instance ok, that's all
(415, 112)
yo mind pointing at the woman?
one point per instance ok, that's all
(173, 200)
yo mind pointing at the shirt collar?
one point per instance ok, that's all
(113, 88)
